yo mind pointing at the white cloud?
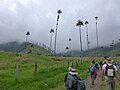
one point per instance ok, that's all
(39, 16)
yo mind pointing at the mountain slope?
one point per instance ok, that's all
(24, 47)
(101, 51)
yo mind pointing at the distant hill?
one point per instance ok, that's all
(31, 48)
(101, 51)
(24, 47)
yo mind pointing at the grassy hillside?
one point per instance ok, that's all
(33, 49)
(30, 48)
(24, 47)
(101, 51)
(50, 71)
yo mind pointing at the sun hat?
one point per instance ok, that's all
(70, 68)
(109, 60)
(73, 72)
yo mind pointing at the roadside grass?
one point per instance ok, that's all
(50, 71)
(103, 85)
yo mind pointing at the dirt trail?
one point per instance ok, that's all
(97, 82)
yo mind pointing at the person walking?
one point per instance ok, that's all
(109, 74)
(73, 81)
(117, 64)
(67, 78)
(92, 72)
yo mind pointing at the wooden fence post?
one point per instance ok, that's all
(77, 62)
(56, 66)
(47, 68)
(68, 63)
(63, 65)
(72, 63)
(16, 72)
(35, 67)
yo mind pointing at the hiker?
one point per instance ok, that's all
(97, 65)
(92, 72)
(75, 82)
(72, 81)
(67, 78)
(100, 63)
(103, 62)
(117, 64)
(109, 71)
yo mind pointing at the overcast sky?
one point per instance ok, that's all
(39, 16)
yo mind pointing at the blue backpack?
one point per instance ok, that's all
(68, 79)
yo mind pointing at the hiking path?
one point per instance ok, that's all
(97, 82)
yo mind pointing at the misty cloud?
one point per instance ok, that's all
(39, 16)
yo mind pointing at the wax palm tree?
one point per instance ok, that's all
(58, 16)
(80, 23)
(27, 34)
(86, 23)
(67, 49)
(111, 45)
(113, 42)
(96, 18)
(51, 31)
(97, 31)
(70, 44)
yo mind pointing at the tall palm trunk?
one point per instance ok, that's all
(97, 32)
(87, 37)
(70, 45)
(80, 23)
(97, 36)
(51, 31)
(51, 43)
(80, 40)
(27, 34)
(55, 38)
(70, 48)
(58, 12)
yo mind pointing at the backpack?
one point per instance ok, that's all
(68, 77)
(92, 69)
(110, 71)
(79, 85)
(97, 66)
(95, 74)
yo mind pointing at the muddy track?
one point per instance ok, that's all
(97, 82)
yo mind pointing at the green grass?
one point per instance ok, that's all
(103, 85)
(50, 71)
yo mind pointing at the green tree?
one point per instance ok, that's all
(70, 44)
(58, 16)
(27, 34)
(51, 31)
(86, 23)
(80, 24)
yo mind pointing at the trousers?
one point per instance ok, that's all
(110, 83)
